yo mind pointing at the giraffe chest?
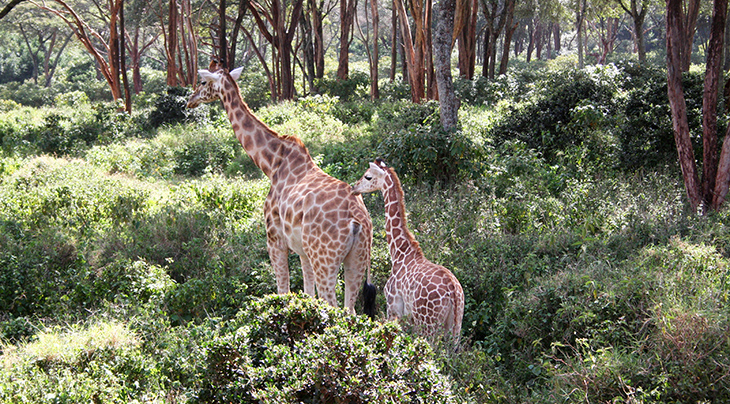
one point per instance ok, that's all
(311, 212)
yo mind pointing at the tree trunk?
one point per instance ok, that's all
(123, 60)
(509, 30)
(114, 48)
(678, 104)
(394, 41)
(709, 101)
(414, 67)
(222, 46)
(448, 104)
(689, 25)
(374, 89)
(347, 16)
(171, 45)
(579, 17)
(465, 27)
(531, 43)
(318, 34)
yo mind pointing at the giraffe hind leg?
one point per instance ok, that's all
(356, 264)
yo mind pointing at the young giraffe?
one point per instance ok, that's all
(427, 293)
(306, 210)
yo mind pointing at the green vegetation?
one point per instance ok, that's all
(133, 264)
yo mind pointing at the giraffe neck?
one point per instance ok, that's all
(401, 242)
(267, 149)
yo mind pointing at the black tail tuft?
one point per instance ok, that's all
(369, 291)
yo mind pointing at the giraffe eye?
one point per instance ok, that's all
(367, 177)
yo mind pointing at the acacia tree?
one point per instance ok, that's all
(278, 22)
(140, 34)
(495, 15)
(637, 9)
(45, 38)
(177, 23)
(373, 54)
(107, 52)
(414, 53)
(710, 191)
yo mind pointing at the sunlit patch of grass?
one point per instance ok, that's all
(66, 347)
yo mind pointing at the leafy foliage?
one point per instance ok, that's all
(292, 348)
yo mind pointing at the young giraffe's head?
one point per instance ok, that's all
(211, 84)
(373, 179)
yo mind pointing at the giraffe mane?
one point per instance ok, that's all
(402, 208)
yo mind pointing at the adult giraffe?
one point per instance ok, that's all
(306, 211)
(426, 294)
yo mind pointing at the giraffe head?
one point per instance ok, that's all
(373, 179)
(212, 84)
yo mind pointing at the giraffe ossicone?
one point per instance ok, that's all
(427, 294)
(306, 211)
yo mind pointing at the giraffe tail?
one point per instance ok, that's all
(369, 291)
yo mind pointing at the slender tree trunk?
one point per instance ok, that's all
(465, 25)
(678, 104)
(414, 67)
(580, 14)
(172, 44)
(123, 60)
(374, 89)
(509, 30)
(531, 43)
(222, 46)
(448, 104)
(347, 15)
(689, 25)
(318, 34)
(394, 41)
(709, 101)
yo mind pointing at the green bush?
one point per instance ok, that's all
(357, 86)
(291, 348)
(171, 108)
(646, 135)
(63, 131)
(99, 363)
(566, 107)
(431, 154)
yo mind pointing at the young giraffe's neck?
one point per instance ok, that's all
(401, 242)
(266, 148)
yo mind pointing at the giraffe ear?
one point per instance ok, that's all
(236, 73)
(376, 168)
(205, 75)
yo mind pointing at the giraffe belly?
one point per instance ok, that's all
(294, 240)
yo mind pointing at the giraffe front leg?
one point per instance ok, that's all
(279, 256)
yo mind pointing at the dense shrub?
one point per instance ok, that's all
(356, 86)
(99, 363)
(291, 348)
(171, 108)
(568, 105)
(646, 135)
(69, 130)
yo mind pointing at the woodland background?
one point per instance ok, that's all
(575, 196)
